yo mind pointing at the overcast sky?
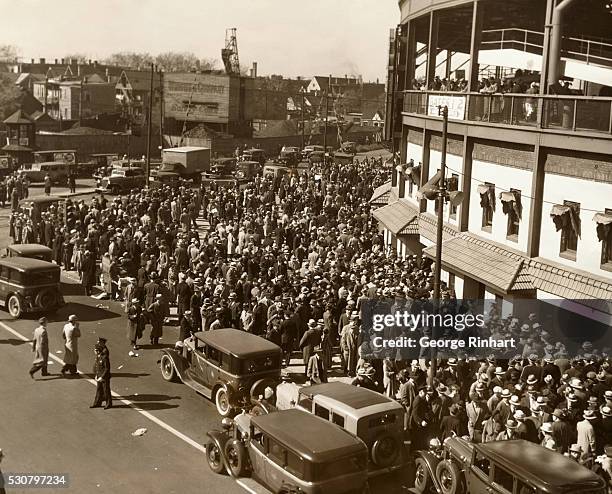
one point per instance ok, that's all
(289, 37)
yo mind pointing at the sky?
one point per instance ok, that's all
(288, 37)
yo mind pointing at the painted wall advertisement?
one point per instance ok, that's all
(197, 97)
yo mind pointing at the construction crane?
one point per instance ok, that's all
(229, 54)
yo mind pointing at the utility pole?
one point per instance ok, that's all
(161, 110)
(81, 89)
(149, 125)
(326, 112)
(302, 120)
(442, 111)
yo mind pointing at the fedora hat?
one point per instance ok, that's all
(589, 415)
(531, 380)
(546, 427)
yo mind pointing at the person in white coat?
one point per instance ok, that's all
(71, 334)
(40, 347)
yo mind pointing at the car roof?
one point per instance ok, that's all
(251, 150)
(29, 248)
(237, 343)
(41, 199)
(543, 467)
(127, 168)
(26, 263)
(354, 397)
(185, 149)
(311, 437)
(55, 151)
(248, 162)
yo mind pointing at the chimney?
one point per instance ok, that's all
(63, 61)
(32, 61)
(41, 61)
(377, 81)
(56, 61)
(107, 74)
(254, 69)
(95, 63)
(89, 61)
(78, 70)
(71, 61)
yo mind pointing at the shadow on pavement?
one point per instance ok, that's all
(148, 406)
(13, 342)
(150, 397)
(71, 289)
(83, 312)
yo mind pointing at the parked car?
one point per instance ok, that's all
(35, 206)
(290, 156)
(122, 180)
(277, 169)
(29, 285)
(32, 251)
(349, 147)
(223, 166)
(254, 154)
(289, 449)
(516, 466)
(376, 419)
(316, 157)
(247, 170)
(228, 365)
(343, 158)
(311, 148)
(57, 171)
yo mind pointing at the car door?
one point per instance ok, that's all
(199, 365)
(275, 465)
(478, 478)
(502, 480)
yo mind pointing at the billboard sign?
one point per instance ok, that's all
(197, 97)
(455, 104)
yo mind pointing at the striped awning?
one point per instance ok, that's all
(397, 217)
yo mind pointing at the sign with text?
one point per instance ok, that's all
(197, 97)
(455, 104)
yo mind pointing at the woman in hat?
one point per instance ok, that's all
(134, 325)
(548, 440)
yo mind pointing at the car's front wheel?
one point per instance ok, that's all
(222, 402)
(14, 306)
(214, 457)
(422, 480)
(168, 371)
(236, 455)
(449, 477)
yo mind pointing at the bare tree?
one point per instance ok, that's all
(8, 53)
(76, 57)
(130, 59)
(10, 96)
(183, 62)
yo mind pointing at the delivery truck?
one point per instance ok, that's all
(184, 163)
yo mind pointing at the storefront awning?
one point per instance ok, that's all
(481, 260)
(381, 194)
(396, 217)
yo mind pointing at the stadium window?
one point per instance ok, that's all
(487, 203)
(570, 230)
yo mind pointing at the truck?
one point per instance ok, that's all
(183, 163)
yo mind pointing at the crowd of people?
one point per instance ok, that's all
(293, 259)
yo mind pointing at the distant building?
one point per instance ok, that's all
(132, 96)
(320, 83)
(21, 137)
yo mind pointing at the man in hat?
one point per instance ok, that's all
(585, 433)
(503, 407)
(575, 453)
(316, 370)
(562, 431)
(477, 412)
(151, 289)
(40, 347)
(156, 318)
(183, 293)
(547, 439)
(135, 324)
(309, 340)
(71, 334)
(509, 432)
(186, 326)
(349, 344)
(366, 377)
(421, 418)
(102, 374)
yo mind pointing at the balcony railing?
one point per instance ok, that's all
(570, 113)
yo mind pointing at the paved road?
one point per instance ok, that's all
(46, 424)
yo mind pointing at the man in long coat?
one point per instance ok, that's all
(156, 318)
(308, 342)
(349, 344)
(71, 334)
(102, 375)
(40, 347)
(88, 272)
(135, 323)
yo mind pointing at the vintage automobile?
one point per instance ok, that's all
(316, 157)
(122, 180)
(230, 366)
(306, 152)
(58, 164)
(29, 285)
(32, 251)
(348, 147)
(223, 166)
(343, 158)
(254, 154)
(374, 418)
(35, 206)
(290, 156)
(289, 450)
(516, 466)
(278, 169)
(247, 170)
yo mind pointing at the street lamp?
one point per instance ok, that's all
(437, 192)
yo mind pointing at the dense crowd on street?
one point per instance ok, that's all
(293, 259)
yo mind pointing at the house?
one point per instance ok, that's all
(319, 83)
(21, 137)
(132, 95)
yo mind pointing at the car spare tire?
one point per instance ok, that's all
(46, 299)
(385, 451)
(237, 458)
